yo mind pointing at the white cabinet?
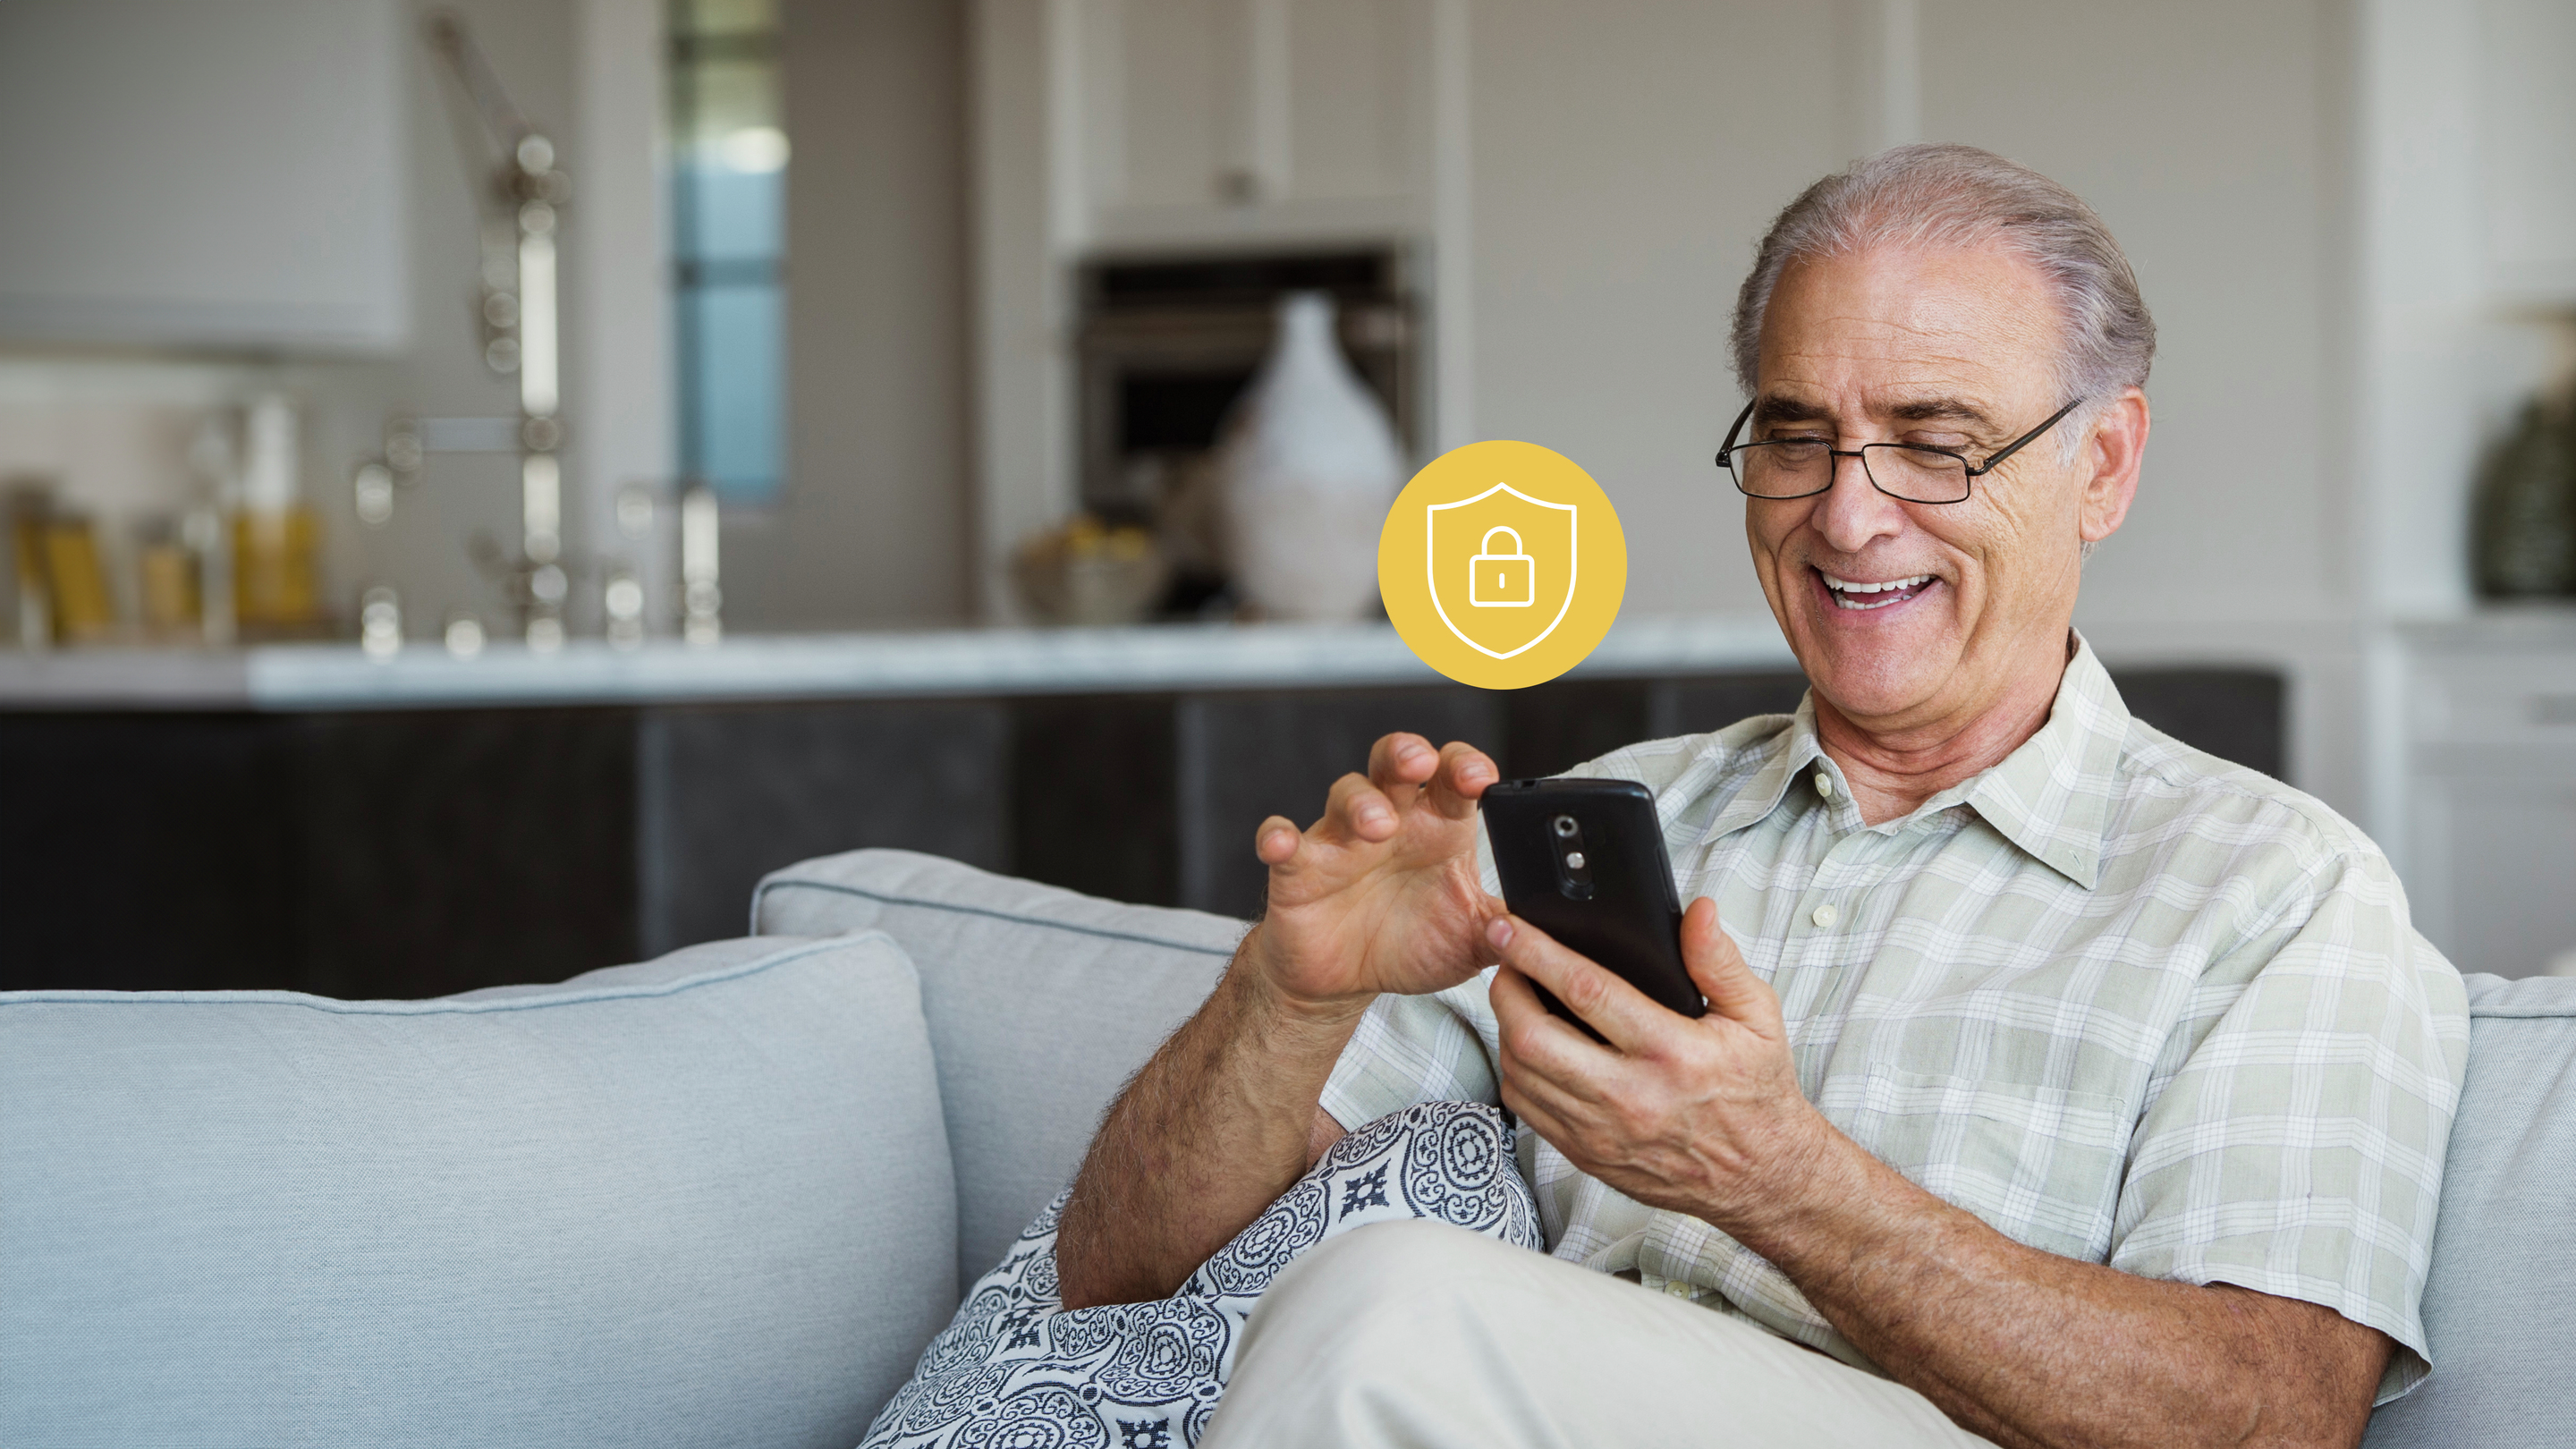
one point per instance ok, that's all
(203, 173)
(1250, 120)
(1171, 80)
(2526, 115)
(1352, 73)
(2490, 860)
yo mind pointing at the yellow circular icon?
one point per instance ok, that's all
(1502, 564)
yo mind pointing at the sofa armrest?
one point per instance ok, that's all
(1041, 1004)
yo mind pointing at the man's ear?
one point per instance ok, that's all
(2112, 456)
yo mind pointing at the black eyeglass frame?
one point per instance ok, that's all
(1726, 456)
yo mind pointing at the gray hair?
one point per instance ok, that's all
(1941, 196)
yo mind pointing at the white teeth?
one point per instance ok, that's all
(1845, 589)
(1848, 586)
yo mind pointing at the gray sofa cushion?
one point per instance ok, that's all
(701, 1201)
(1041, 1004)
(2497, 1304)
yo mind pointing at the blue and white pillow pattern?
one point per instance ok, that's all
(1016, 1368)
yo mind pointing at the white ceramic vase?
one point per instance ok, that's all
(1309, 464)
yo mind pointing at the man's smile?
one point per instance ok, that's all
(1862, 595)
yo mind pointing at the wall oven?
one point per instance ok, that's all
(1167, 345)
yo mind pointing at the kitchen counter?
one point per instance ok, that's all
(304, 817)
(953, 663)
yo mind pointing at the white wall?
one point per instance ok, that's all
(2199, 129)
(2216, 140)
(872, 527)
(1626, 158)
(1023, 205)
(1628, 154)
(622, 387)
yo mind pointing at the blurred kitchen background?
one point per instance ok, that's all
(486, 482)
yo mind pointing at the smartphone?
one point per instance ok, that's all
(1583, 860)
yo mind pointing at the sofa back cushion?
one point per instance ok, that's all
(2504, 1246)
(1041, 1004)
(701, 1201)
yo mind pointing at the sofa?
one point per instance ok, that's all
(724, 1197)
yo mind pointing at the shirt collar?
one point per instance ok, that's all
(2051, 797)
(1789, 752)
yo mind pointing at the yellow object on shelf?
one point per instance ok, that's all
(27, 547)
(275, 583)
(82, 609)
(171, 602)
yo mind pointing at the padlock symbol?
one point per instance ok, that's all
(1502, 580)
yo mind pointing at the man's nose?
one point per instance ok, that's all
(1852, 511)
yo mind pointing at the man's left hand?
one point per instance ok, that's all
(1697, 1116)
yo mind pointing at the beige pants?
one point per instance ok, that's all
(1422, 1334)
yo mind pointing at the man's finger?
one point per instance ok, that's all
(1357, 810)
(1720, 972)
(1540, 1106)
(1276, 841)
(1548, 1095)
(1591, 991)
(1398, 764)
(1532, 1034)
(1533, 1114)
(1464, 773)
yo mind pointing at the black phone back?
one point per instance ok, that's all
(1584, 861)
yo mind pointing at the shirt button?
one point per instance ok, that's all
(1824, 784)
(1825, 916)
(1678, 1288)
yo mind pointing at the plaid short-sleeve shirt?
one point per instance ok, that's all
(2122, 1000)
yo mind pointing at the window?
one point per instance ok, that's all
(729, 245)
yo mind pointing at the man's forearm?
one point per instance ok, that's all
(2029, 1348)
(1213, 1129)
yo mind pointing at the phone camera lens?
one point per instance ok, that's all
(1565, 826)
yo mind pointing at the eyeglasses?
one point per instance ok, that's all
(1912, 472)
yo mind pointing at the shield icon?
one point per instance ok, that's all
(1525, 544)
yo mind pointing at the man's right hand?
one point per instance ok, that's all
(1380, 894)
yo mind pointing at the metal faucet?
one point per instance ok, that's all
(521, 316)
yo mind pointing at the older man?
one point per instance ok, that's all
(2061, 1084)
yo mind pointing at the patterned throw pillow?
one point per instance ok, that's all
(1015, 1368)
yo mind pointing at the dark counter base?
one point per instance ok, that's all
(416, 854)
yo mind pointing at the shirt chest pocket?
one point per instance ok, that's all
(2040, 1165)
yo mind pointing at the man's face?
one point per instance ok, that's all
(1952, 349)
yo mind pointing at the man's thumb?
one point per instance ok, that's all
(1733, 991)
